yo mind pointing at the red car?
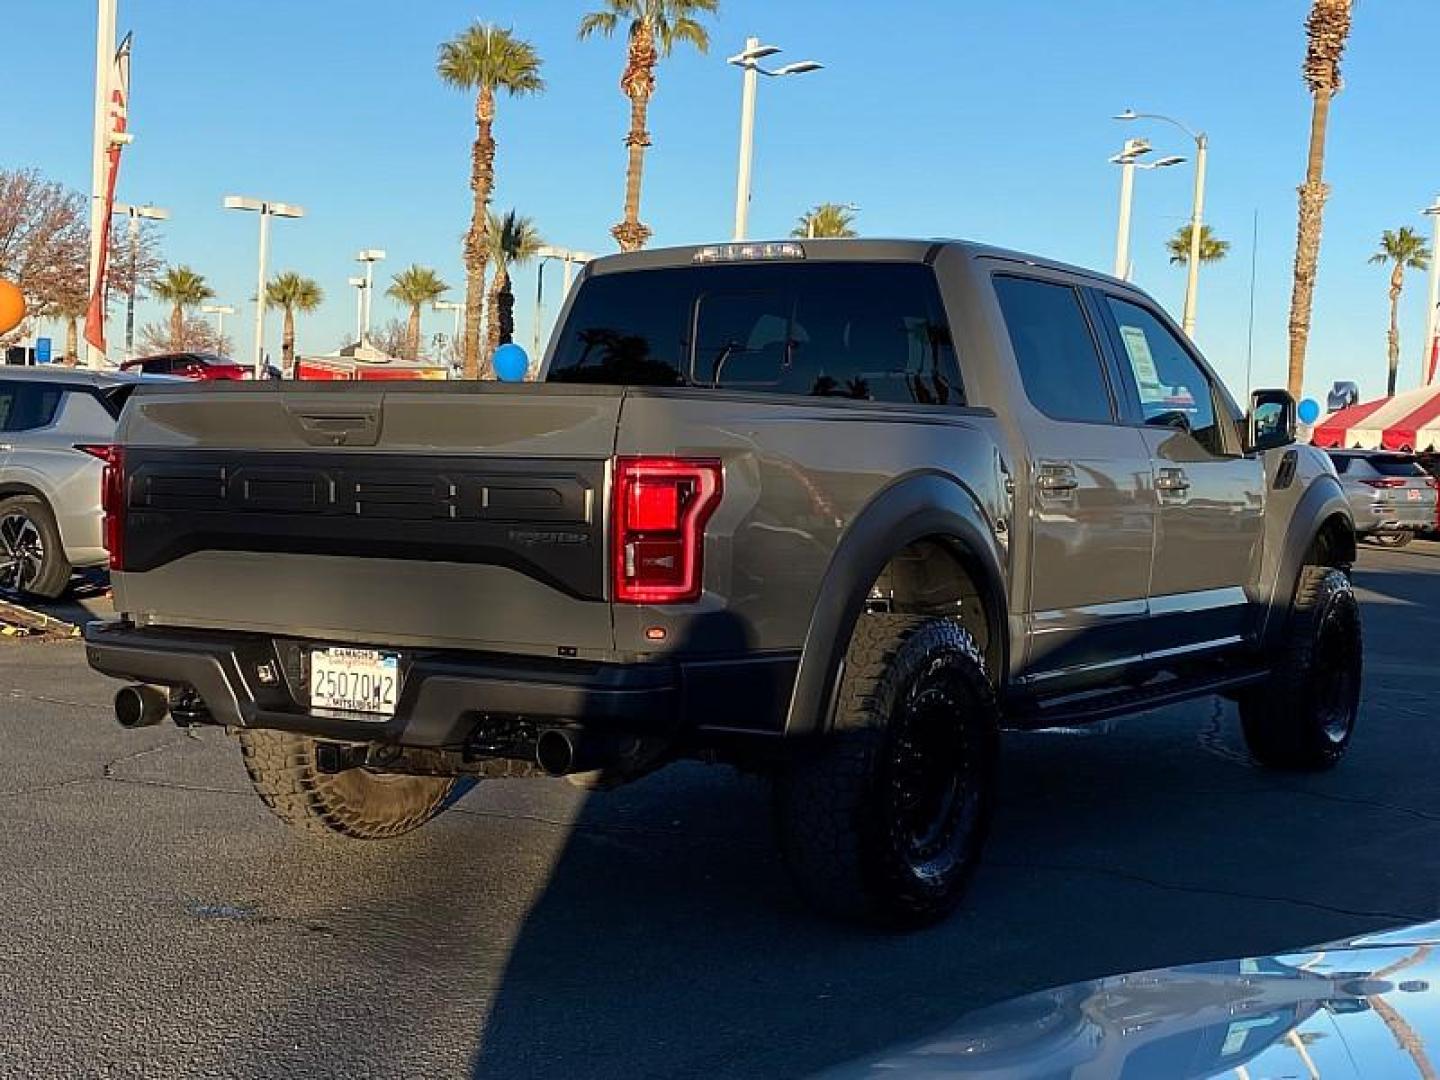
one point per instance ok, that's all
(188, 365)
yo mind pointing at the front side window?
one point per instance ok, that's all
(1174, 391)
(865, 331)
(1059, 362)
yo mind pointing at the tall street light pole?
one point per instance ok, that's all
(1197, 212)
(132, 230)
(1129, 160)
(359, 283)
(748, 59)
(219, 311)
(370, 256)
(1432, 310)
(266, 210)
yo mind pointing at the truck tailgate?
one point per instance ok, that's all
(431, 515)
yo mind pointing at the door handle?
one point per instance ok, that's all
(1172, 481)
(5, 446)
(1056, 479)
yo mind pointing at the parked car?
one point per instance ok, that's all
(56, 430)
(832, 510)
(1391, 496)
(189, 365)
(1431, 464)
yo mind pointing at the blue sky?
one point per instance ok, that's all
(938, 117)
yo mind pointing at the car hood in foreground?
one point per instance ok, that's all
(1366, 1007)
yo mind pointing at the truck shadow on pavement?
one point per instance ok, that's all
(667, 940)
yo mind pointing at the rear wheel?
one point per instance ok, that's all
(357, 803)
(1393, 539)
(32, 559)
(884, 822)
(1303, 716)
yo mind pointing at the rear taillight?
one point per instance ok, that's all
(1385, 482)
(658, 518)
(112, 500)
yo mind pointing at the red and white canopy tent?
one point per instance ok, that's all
(1409, 422)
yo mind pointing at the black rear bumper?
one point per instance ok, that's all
(254, 681)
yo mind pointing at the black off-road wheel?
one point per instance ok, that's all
(1394, 539)
(356, 803)
(1302, 718)
(884, 821)
(32, 559)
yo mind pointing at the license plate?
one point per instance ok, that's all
(1413, 495)
(354, 680)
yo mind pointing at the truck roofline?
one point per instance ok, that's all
(866, 249)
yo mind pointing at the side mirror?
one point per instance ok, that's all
(1271, 422)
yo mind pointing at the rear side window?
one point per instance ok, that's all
(1342, 464)
(1059, 362)
(30, 406)
(866, 331)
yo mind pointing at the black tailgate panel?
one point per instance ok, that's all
(540, 518)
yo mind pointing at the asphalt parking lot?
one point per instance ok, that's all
(157, 921)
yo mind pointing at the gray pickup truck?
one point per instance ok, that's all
(837, 511)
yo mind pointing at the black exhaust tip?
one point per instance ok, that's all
(140, 706)
(555, 751)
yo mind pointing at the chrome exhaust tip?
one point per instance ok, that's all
(140, 706)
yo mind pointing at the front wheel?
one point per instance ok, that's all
(884, 821)
(1303, 716)
(357, 803)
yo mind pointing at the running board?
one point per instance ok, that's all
(1073, 710)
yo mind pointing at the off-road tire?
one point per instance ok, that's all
(845, 814)
(356, 803)
(54, 569)
(1303, 716)
(1393, 539)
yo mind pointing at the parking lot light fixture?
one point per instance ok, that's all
(266, 209)
(748, 60)
(132, 233)
(1129, 159)
(219, 311)
(1432, 309)
(369, 256)
(570, 258)
(1197, 211)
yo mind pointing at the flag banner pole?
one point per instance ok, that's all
(119, 95)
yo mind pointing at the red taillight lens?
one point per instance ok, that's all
(112, 500)
(1384, 482)
(659, 513)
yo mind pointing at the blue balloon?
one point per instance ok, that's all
(1308, 411)
(511, 362)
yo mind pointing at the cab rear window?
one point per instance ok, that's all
(865, 331)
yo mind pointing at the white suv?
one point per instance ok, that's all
(56, 426)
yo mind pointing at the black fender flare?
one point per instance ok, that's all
(1324, 499)
(914, 507)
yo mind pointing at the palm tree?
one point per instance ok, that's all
(827, 219)
(1406, 250)
(1327, 28)
(416, 287)
(293, 293)
(514, 240)
(181, 288)
(655, 27)
(1212, 248)
(486, 59)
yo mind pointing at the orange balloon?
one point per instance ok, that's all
(12, 306)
